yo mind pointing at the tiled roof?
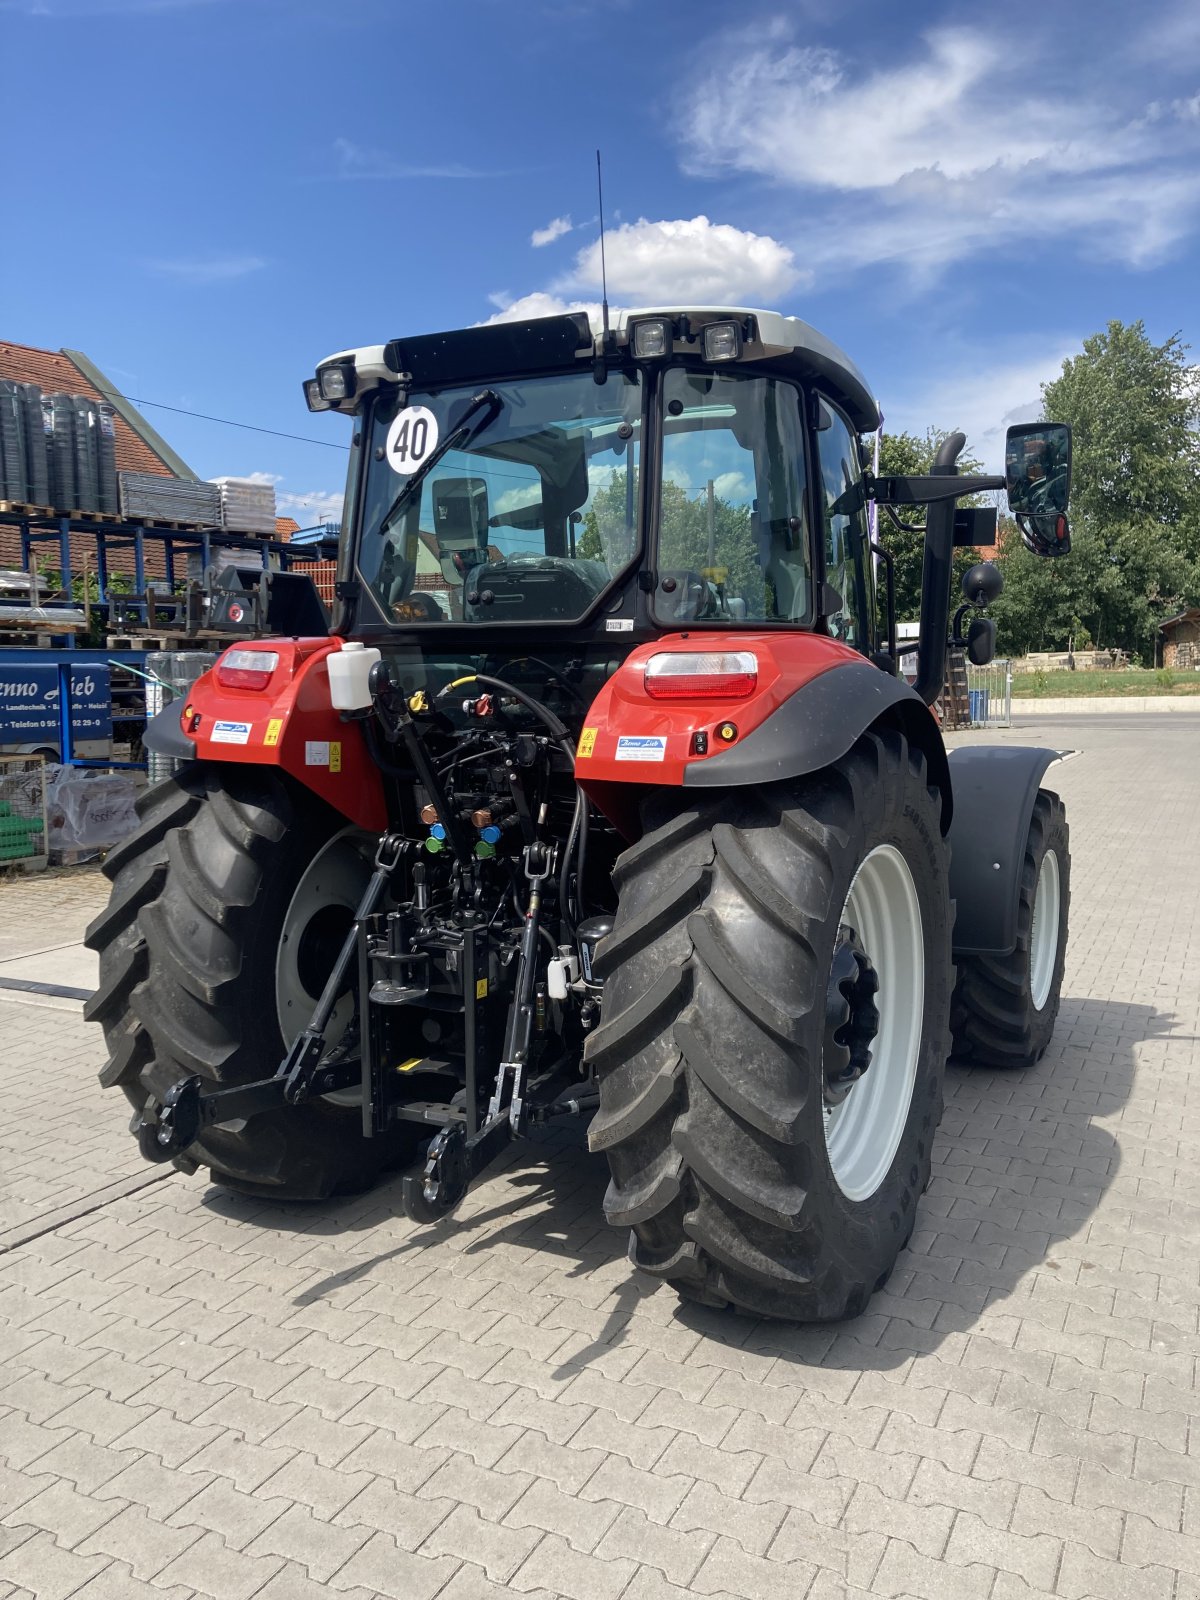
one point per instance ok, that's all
(285, 527)
(55, 373)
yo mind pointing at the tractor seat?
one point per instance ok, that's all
(532, 589)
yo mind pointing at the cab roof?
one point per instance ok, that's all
(541, 343)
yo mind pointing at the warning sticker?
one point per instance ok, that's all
(587, 742)
(335, 756)
(643, 747)
(230, 733)
(274, 728)
(412, 439)
(481, 988)
(316, 752)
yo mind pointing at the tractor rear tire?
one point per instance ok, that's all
(1004, 1007)
(712, 1053)
(188, 972)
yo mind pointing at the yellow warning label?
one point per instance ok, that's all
(274, 728)
(335, 756)
(587, 741)
(407, 1066)
(481, 989)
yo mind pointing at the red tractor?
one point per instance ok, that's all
(604, 795)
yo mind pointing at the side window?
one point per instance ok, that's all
(849, 603)
(732, 526)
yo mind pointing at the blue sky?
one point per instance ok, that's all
(958, 195)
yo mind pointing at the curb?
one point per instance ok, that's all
(1110, 705)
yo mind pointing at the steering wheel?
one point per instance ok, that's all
(689, 597)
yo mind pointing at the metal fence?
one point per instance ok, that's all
(989, 690)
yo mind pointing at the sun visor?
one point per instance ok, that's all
(494, 350)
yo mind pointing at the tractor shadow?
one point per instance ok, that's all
(1021, 1165)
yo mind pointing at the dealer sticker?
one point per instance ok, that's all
(411, 440)
(618, 625)
(230, 733)
(316, 752)
(643, 747)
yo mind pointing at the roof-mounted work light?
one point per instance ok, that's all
(312, 396)
(337, 383)
(722, 341)
(652, 339)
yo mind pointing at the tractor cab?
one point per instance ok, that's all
(696, 468)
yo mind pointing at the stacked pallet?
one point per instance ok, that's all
(152, 496)
(246, 506)
(57, 450)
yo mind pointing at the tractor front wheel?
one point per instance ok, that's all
(775, 1028)
(228, 908)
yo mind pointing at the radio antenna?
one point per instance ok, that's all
(603, 267)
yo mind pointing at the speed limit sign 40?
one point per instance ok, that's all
(412, 439)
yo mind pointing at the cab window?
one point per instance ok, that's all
(849, 598)
(732, 520)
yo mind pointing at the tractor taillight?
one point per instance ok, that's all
(246, 669)
(701, 675)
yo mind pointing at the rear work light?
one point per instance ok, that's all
(701, 675)
(246, 669)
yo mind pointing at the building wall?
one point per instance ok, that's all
(1181, 646)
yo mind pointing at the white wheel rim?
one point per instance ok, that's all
(336, 877)
(1043, 938)
(863, 1133)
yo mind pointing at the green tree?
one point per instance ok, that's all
(1135, 501)
(901, 454)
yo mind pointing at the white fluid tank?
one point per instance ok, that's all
(349, 676)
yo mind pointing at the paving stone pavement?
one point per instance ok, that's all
(203, 1395)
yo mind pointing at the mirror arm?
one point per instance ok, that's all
(897, 522)
(922, 489)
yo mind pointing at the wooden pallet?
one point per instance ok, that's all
(157, 640)
(23, 508)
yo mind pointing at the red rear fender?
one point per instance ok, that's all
(290, 724)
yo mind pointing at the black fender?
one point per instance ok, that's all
(165, 737)
(995, 787)
(816, 726)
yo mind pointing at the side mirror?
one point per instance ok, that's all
(460, 513)
(1037, 468)
(981, 641)
(983, 583)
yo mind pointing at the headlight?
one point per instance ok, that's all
(652, 339)
(722, 341)
(337, 383)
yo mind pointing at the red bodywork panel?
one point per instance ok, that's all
(292, 725)
(613, 773)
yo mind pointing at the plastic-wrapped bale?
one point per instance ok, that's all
(246, 506)
(156, 497)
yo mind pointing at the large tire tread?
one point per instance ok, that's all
(992, 1016)
(176, 944)
(706, 1065)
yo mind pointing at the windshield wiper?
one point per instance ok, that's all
(458, 435)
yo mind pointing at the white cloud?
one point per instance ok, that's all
(967, 143)
(199, 271)
(538, 304)
(686, 262)
(555, 229)
(979, 395)
(263, 477)
(359, 162)
(311, 508)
